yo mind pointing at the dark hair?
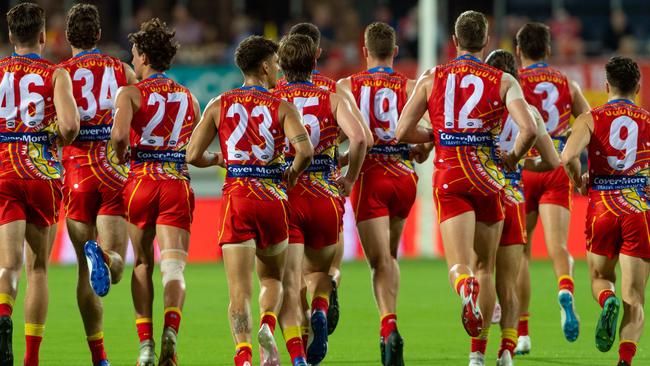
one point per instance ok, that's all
(504, 61)
(25, 22)
(307, 29)
(252, 51)
(471, 30)
(534, 39)
(297, 56)
(82, 28)
(380, 40)
(623, 74)
(157, 42)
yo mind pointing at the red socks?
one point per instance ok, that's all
(604, 295)
(293, 335)
(243, 354)
(522, 329)
(145, 328)
(96, 345)
(269, 318)
(508, 341)
(479, 344)
(6, 305)
(626, 351)
(173, 318)
(565, 283)
(320, 302)
(388, 325)
(33, 339)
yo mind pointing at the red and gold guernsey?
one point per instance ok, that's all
(95, 80)
(28, 129)
(513, 187)
(317, 79)
(547, 89)
(161, 129)
(314, 106)
(380, 94)
(466, 111)
(253, 142)
(619, 158)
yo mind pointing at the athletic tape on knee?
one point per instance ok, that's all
(172, 270)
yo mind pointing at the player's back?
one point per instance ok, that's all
(314, 106)
(252, 140)
(95, 80)
(380, 94)
(466, 110)
(619, 157)
(317, 79)
(28, 129)
(547, 89)
(161, 129)
(513, 183)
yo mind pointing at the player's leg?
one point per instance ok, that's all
(270, 267)
(634, 277)
(523, 288)
(142, 289)
(318, 262)
(333, 313)
(12, 237)
(555, 220)
(507, 268)
(114, 240)
(292, 313)
(89, 304)
(37, 255)
(603, 278)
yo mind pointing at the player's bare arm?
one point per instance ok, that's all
(65, 106)
(549, 158)
(127, 102)
(203, 135)
(513, 96)
(131, 78)
(577, 142)
(420, 152)
(351, 127)
(298, 138)
(408, 129)
(580, 104)
(344, 89)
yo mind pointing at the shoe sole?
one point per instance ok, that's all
(522, 353)
(317, 349)
(571, 326)
(606, 327)
(6, 348)
(267, 342)
(333, 310)
(394, 350)
(468, 313)
(100, 275)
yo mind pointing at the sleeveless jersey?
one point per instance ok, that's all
(95, 80)
(28, 127)
(547, 89)
(252, 141)
(314, 106)
(317, 79)
(380, 94)
(513, 184)
(161, 129)
(619, 158)
(466, 111)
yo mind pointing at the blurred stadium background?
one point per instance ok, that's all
(584, 36)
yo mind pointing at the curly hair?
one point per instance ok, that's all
(297, 54)
(25, 22)
(82, 26)
(157, 42)
(252, 51)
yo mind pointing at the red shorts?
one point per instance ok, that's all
(376, 194)
(514, 224)
(36, 201)
(265, 221)
(487, 207)
(315, 221)
(85, 196)
(609, 235)
(551, 187)
(163, 202)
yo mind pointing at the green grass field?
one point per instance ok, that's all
(428, 320)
